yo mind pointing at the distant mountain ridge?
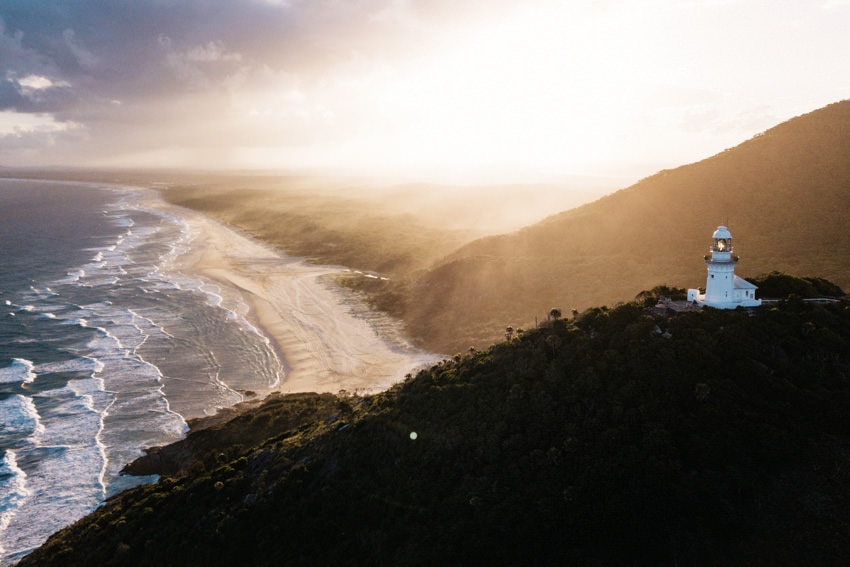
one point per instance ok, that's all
(785, 195)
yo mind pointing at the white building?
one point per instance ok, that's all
(723, 289)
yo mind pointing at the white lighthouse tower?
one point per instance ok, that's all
(723, 289)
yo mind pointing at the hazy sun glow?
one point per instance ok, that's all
(546, 86)
(539, 86)
(535, 88)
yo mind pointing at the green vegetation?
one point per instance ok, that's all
(650, 297)
(785, 195)
(614, 437)
(779, 285)
(330, 229)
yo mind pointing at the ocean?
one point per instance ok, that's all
(105, 349)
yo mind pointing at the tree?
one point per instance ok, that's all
(554, 342)
(555, 313)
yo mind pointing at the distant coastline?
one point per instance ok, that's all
(325, 344)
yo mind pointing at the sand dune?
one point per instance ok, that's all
(326, 343)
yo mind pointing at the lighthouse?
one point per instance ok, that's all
(723, 289)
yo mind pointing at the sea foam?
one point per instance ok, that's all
(21, 370)
(105, 356)
(13, 491)
(19, 419)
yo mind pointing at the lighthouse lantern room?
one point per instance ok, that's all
(723, 289)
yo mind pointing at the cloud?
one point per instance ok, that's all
(534, 81)
(212, 51)
(143, 49)
(18, 124)
(157, 58)
(17, 59)
(35, 82)
(83, 56)
(34, 94)
(37, 139)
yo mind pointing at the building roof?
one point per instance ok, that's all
(741, 283)
(722, 232)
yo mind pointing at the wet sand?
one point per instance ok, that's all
(326, 342)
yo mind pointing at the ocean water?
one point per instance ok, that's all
(105, 349)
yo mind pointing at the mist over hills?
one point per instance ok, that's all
(785, 195)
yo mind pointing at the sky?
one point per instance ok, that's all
(487, 88)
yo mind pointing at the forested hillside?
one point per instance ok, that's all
(620, 437)
(784, 194)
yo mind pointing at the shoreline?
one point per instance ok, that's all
(323, 346)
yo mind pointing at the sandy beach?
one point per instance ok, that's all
(326, 343)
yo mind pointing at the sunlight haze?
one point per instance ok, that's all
(484, 90)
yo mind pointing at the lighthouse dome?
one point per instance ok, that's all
(721, 232)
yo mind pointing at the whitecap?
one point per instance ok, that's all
(79, 364)
(72, 276)
(61, 485)
(78, 321)
(19, 419)
(21, 370)
(13, 491)
(39, 294)
(47, 308)
(100, 282)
